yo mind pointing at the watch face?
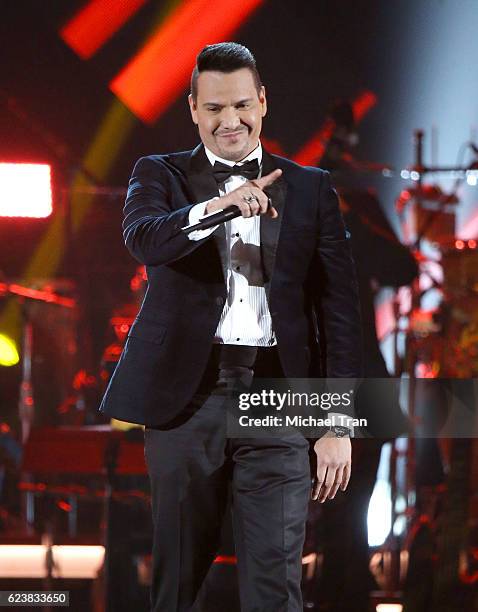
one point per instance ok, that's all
(340, 432)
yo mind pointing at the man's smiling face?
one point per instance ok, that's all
(228, 112)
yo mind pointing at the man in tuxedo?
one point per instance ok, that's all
(271, 294)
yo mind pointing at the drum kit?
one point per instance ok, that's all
(441, 341)
(438, 321)
(446, 346)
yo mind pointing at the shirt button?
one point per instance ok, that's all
(237, 339)
(241, 300)
(238, 267)
(237, 234)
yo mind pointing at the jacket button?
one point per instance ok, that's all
(219, 301)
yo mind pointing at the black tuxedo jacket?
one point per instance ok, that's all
(308, 271)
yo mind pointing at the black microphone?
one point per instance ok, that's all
(216, 218)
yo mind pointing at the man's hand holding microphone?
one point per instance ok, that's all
(249, 198)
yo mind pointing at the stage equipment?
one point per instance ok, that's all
(432, 214)
(54, 331)
(442, 342)
(95, 477)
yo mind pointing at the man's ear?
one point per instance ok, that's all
(193, 109)
(263, 100)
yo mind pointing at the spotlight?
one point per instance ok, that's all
(25, 190)
(8, 351)
(471, 178)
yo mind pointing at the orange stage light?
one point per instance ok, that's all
(96, 23)
(26, 190)
(161, 70)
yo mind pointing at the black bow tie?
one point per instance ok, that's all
(222, 172)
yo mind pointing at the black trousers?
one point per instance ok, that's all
(193, 467)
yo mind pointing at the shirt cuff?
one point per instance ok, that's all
(197, 212)
(342, 420)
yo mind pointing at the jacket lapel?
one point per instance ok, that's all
(203, 186)
(270, 228)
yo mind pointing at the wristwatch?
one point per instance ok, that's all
(339, 431)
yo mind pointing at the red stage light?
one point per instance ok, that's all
(362, 104)
(63, 505)
(226, 560)
(96, 23)
(26, 190)
(459, 244)
(162, 69)
(313, 150)
(472, 244)
(311, 153)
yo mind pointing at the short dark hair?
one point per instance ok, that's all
(224, 57)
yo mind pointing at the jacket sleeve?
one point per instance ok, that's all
(336, 291)
(151, 227)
